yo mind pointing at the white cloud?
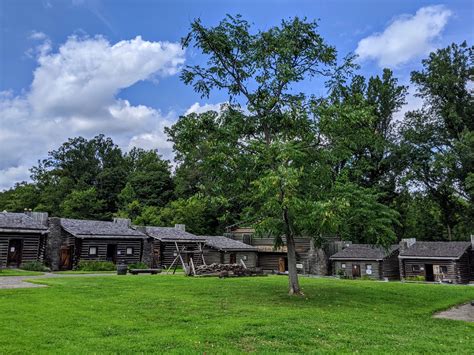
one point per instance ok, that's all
(198, 108)
(406, 37)
(37, 36)
(74, 92)
(14, 173)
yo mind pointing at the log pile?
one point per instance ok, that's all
(225, 270)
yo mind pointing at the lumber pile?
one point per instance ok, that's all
(225, 270)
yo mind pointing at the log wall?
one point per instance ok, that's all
(32, 249)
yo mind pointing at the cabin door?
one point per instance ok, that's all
(112, 253)
(282, 264)
(232, 258)
(429, 274)
(15, 247)
(355, 270)
(65, 262)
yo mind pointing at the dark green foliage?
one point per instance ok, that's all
(85, 265)
(138, 266)
(34, 266)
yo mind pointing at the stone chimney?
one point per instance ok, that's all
(181, 227)
(406, 243)
(124, 222)
(472, 240)
(40, 217)
(53, 244)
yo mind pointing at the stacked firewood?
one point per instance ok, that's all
(224, 270)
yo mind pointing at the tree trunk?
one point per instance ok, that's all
(293, 282)
(449, 233)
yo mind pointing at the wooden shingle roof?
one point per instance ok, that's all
(172, 234)
(20, 222)
(83, 228)
(227, 244)
(364, 252)
(451, 250)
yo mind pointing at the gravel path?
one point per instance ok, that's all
(464, 312)
(8, 282)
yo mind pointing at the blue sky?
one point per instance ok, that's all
(84, 67)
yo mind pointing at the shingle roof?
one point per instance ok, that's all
(364, 251)
(19, 221)
(172, 234)
(98, 229)
(227, 244)
(436, 249)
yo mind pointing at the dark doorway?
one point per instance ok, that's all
(429, 275)
(65, 262)
(15, 247)
(232, 258)
(355, 270)
(112, 253)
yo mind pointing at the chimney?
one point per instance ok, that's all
(406, 243)
(472, 240)
(181, 227)
(40, 217)
(124, 222)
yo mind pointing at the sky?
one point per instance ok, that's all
(84, 67)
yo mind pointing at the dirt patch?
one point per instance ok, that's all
(463, 312)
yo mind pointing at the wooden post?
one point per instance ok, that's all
(192, 266)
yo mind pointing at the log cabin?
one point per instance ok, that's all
(223, 250)
(450, 262)
(166, 245)
(311, 259)
(22, 238)
(364, 260)
(73, 240)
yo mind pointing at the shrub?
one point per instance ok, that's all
(340, 272)
(366, 277)
(34, 266)
(85, 265)
(139, 265)
(415, 278)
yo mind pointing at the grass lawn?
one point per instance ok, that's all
(18, 272)
(81, 272)
(175, 313)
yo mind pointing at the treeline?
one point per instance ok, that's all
(291, 162)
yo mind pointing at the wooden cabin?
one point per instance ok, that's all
(451, 262)
(167, 245)
(223, 250)
(364, 260)
(73, 240)
(22, 238)
(310, 259)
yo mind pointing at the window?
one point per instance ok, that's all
(92, 250)
(244, 257)
(343, 266)
(443, 269)
(129, 251)
(368, 269)
(415, 268)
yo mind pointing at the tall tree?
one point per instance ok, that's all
(278, 133)
(439, 138)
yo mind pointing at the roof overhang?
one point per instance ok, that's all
(95, 236)
(354, 259)
(24, 231)
(180, 240)
(429, 257)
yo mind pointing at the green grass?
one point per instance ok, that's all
(82, 272)
(18, 272)
(179, 314)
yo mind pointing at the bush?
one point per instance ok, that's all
(340, 272)
(366, 277)
(139, 265)
(415, 278)
(33, 266)
(96, 266)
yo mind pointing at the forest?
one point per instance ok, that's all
(288, 162)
